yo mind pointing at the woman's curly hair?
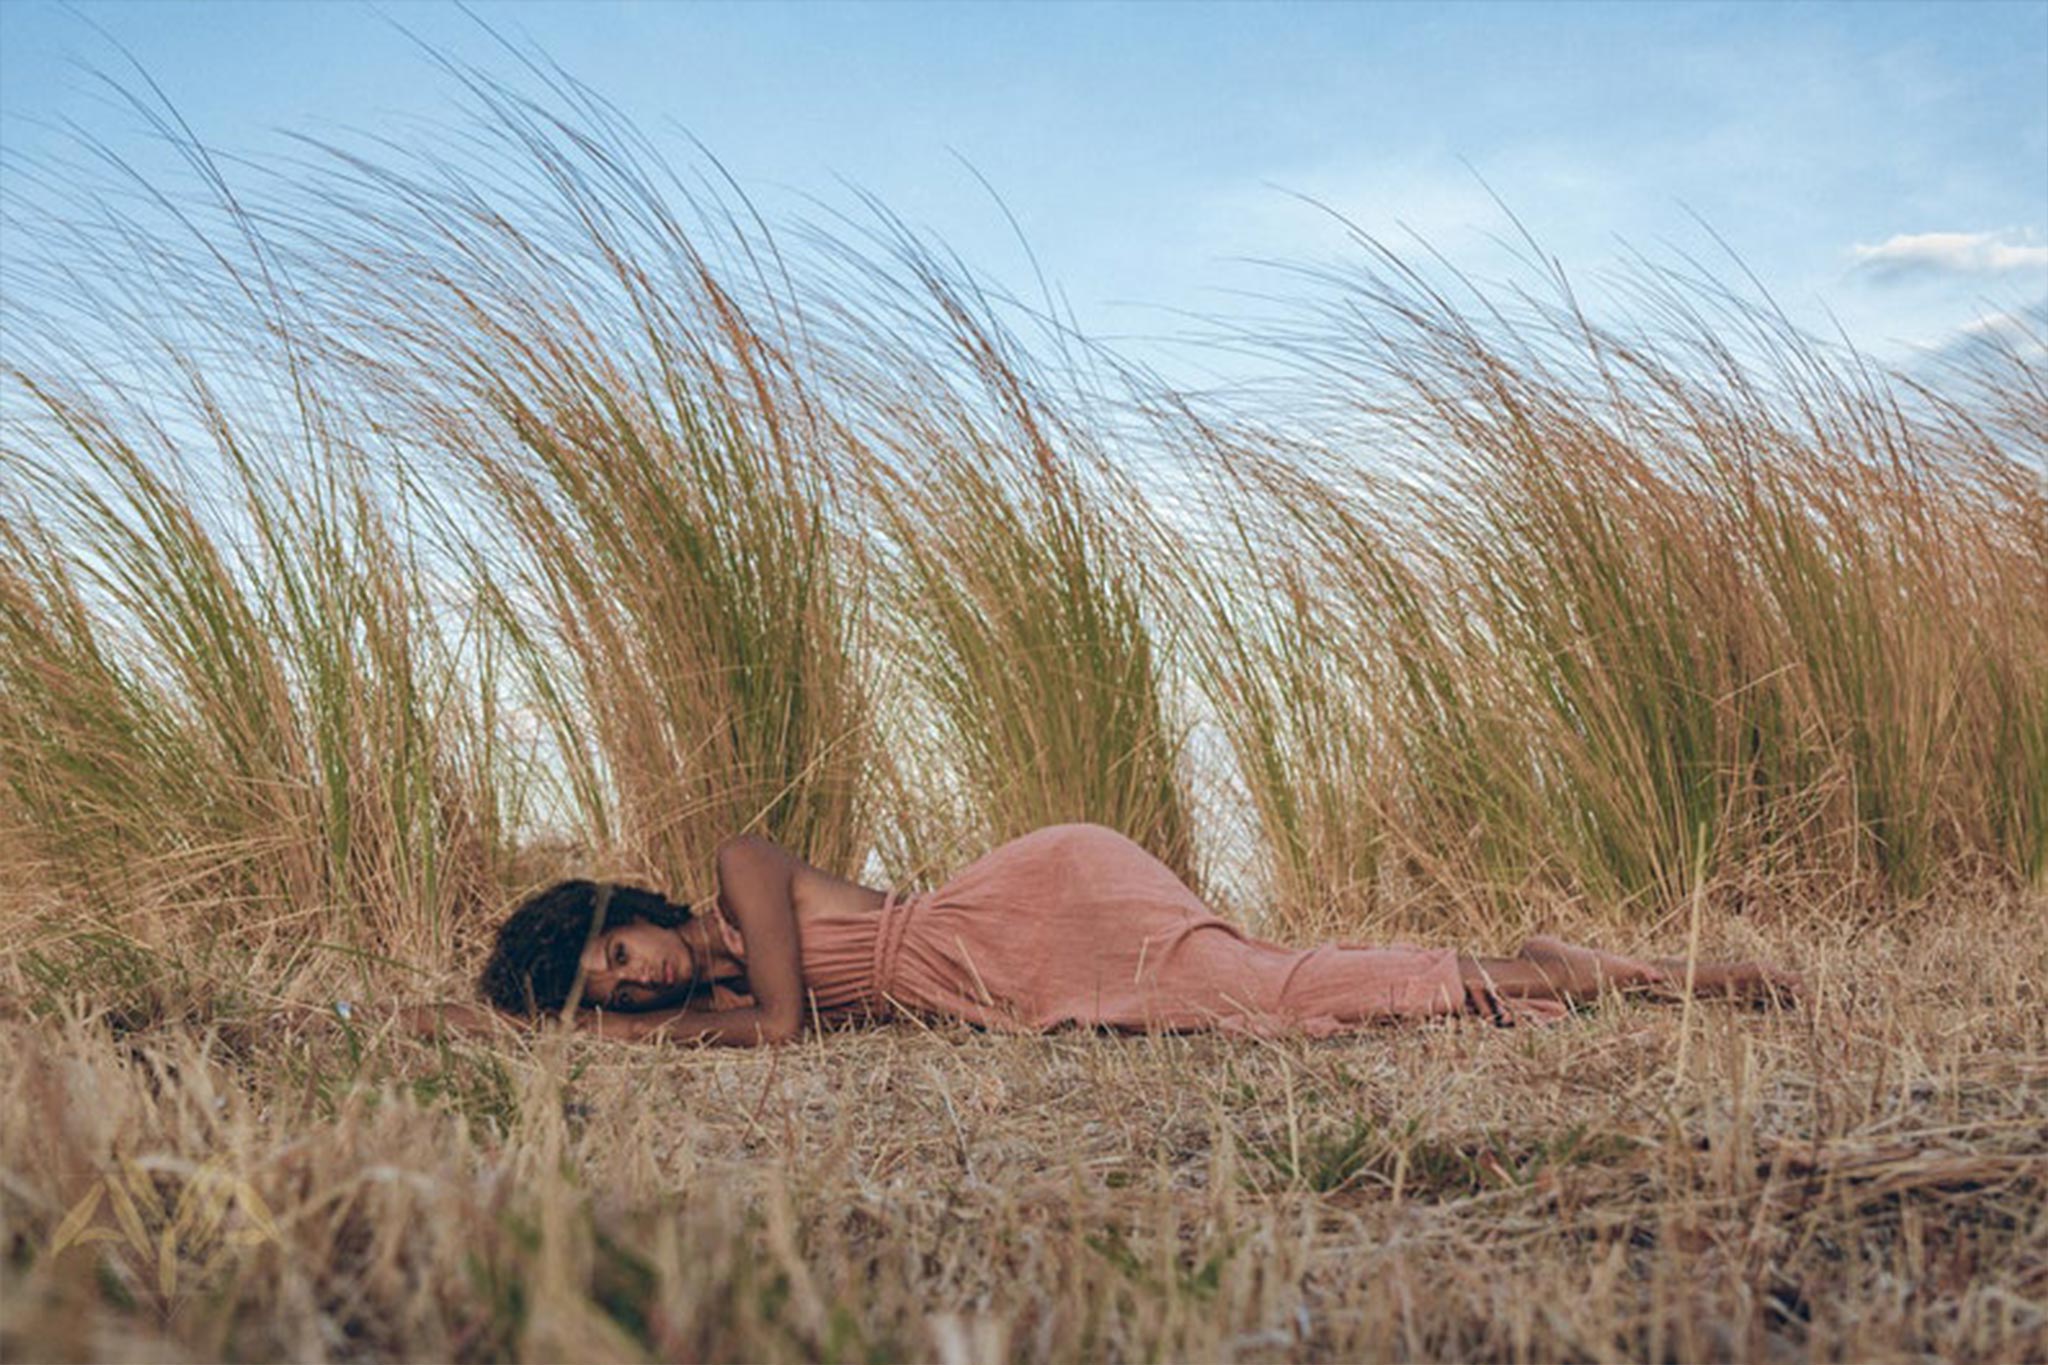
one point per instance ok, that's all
(540, 945)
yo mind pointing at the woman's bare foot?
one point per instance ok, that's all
(1580, 971)
(1755, 982)
(1552, 969)
(1583, 973)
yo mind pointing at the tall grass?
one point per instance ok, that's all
(570, 502)
(227, 705)
(634, 474)
(1291, 687)
(1641, 608)
(1013, 561)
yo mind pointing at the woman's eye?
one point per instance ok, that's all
(618, 954)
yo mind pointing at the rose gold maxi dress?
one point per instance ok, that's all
(1078, 924)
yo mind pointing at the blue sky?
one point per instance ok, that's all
(1886, 163)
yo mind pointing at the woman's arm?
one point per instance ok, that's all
(757, 885)
(422, 1021)
(745, 1026)
(435, 1021)
(748, 1026)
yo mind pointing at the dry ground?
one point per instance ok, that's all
(1864, 1182)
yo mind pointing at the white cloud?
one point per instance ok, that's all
(1949, 253)
(2024, 323)
(2022, 332)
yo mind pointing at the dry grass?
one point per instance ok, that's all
(1014, 571)
(1553, 607)
(1642, 1183)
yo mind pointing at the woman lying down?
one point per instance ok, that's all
(1072, 924)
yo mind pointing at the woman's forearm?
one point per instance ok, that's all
(745, 1026)
(433, 1021)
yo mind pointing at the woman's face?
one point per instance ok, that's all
(638, 966)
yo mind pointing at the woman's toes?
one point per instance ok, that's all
(1780, 986)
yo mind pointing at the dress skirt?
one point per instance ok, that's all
(1076, 924)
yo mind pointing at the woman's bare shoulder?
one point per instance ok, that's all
(815, 892)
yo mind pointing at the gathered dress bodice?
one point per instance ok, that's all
(839, 954)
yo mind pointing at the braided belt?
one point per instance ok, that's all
(895, 915)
